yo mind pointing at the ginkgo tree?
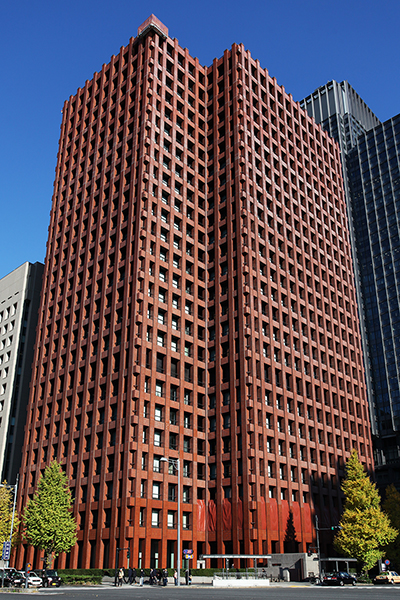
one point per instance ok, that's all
(48, 520)
(365, 528)
(6, 514)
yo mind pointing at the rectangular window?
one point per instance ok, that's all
(143, 489)
(186, 494)
(174, 393)
(156, 491)
(186, 444)
(155, 518)
(160, 363)
(171, 519)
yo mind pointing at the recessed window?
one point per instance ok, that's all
(157, 438)
(155, 517)
(171, 519)
(186, 520)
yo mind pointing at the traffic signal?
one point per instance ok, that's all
(128, 554)
(336, 527)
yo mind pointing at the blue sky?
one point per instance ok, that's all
(49, 49)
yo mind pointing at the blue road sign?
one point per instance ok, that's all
(6, 550)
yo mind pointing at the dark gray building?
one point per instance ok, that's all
(19, 305)
(341, 111)
(370, 160)
(374, 176)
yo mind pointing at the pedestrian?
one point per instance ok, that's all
(187, 576)
(133, 576)
(165, 577)
(141, 577)
(120, 576)
(175, 577)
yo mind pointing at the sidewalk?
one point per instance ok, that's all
(205, 581)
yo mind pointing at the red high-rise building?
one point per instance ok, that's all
(198, 303)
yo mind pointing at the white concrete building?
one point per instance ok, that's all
(19, 304)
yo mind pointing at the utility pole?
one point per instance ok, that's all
(318, 529)
(175, 462)
(318, 552)
(7, 550)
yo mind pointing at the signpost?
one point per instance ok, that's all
(7, 544)
(6, 550)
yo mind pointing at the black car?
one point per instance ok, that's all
(17, 579)
(339, 578)
(6, 576)
(49, 576)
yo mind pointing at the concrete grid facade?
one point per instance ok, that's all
(198, 303)
(19, 304)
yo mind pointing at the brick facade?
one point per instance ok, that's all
(198, 303)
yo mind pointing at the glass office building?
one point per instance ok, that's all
(374, 175)
(370, 159)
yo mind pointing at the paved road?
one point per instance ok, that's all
(274, 592)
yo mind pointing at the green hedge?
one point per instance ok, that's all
(80, 576)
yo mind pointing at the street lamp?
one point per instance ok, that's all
(318, 551)
(177, 465)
